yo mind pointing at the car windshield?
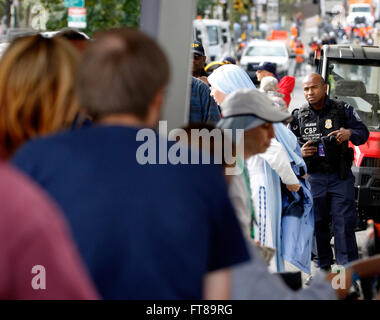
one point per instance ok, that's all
(213, 35)
(357, 85)
(361, 9)
(272, 51)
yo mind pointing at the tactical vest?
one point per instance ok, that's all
(314, 126)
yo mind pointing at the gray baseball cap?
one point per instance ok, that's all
(250, 108)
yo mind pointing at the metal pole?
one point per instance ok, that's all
(16, 13)
(171, 24)
(231, 16)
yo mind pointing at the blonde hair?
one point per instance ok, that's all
(37, 95)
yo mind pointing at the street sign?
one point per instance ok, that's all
(253, 13)
(260, 12)
(77, 18)
(74, 3)
(272, 11)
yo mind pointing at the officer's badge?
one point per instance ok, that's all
(328, 124)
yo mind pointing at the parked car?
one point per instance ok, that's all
(258, 51)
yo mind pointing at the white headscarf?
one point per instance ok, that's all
(229, 78)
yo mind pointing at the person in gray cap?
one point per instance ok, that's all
(253, 112)
(266, 169)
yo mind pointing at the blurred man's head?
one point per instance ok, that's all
(123, 72)
(199, 59)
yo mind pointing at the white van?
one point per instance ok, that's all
(215, 37)
(360, 13)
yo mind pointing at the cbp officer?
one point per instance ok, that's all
(324, 127)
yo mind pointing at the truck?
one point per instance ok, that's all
(361, 11)
(215, 37)
(353, 75)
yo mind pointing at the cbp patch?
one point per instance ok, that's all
(328, 124)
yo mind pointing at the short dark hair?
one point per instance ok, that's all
(121, 72)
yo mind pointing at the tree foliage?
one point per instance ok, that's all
(101, 14)
(204, 5)
(5, 6)
(242, 7)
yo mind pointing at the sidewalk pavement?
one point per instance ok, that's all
(360, 238)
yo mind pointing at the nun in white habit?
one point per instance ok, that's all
(265, 171)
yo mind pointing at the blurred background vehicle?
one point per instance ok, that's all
(258, 51)
(215, 37)
(359, 13)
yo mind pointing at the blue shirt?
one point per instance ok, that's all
(144, 231)
(203, 107)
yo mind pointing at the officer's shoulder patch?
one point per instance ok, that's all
(305, 111)
(347, 105)
(295, 111)
(340, 104)
(294, 124)
(357, 117)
